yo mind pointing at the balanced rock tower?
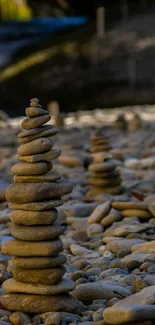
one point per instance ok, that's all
(37, 264)
(104, 176)
(100, 142)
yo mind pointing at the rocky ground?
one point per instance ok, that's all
(109, 240)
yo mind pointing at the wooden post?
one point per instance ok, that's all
(100, 22)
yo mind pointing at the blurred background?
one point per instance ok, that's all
(82, 54)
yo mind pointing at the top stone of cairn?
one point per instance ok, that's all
(36, 116)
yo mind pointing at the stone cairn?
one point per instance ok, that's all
(37, 264)
(120, 122)
(135, 123)
(105, 178)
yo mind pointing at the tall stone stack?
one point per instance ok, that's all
(104, 176)
(37, 264)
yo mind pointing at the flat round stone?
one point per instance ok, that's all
(24, 169)
(50, 132)
(34, 104)
(103, 167)
(39, 303)
(50, 177)
(130, 205)
(100, 141)
(35, 131)
(100, 157)
(34, 147)
(39, 262)
(107, 190)
(36, 206)
(134, 314)
(35, 99)
(109, 175)
(33, 192)
(34, 122)
(30, 218)
(142, 214)
(36, 233)
(99, 136)
(39, 276)
(34, 111)
(23, 248)
(104, 182)
(14, 286)
(50, 155)
(99, 148)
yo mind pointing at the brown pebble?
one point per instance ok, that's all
(133, 265)
(34, 122)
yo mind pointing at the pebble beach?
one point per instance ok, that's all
(100, 188)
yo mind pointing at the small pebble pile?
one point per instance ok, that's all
(121, 122)
(135, 123)
(133, 209)
(105, 178)
(37, 263)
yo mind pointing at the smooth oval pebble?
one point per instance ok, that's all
(142, 214)
(36, 206)
(49, 132)
(34, 147)
(130, 205)
(14, 286)
(30, 218)
(104, 182)
(24, 248)
(34, 111)
(99, 212)
(34, 122)
(50, 155)
(24, 169)
(102, 167)
(36, 233)
(108, 190)
(40, 303)
(39, 276)
(50, 177)
(39, 262)
(33, 192)
(99, 148)
(35, 131)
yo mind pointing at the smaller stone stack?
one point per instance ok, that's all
(135, 123)
(105, 178)
(135, 209)
(37, 267)
(121, 123)
(100, 142)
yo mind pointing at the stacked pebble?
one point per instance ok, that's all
(135, 123)
(121, 122)
(105, 178)
(100, 142)
(37, 264)
(133, 209)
